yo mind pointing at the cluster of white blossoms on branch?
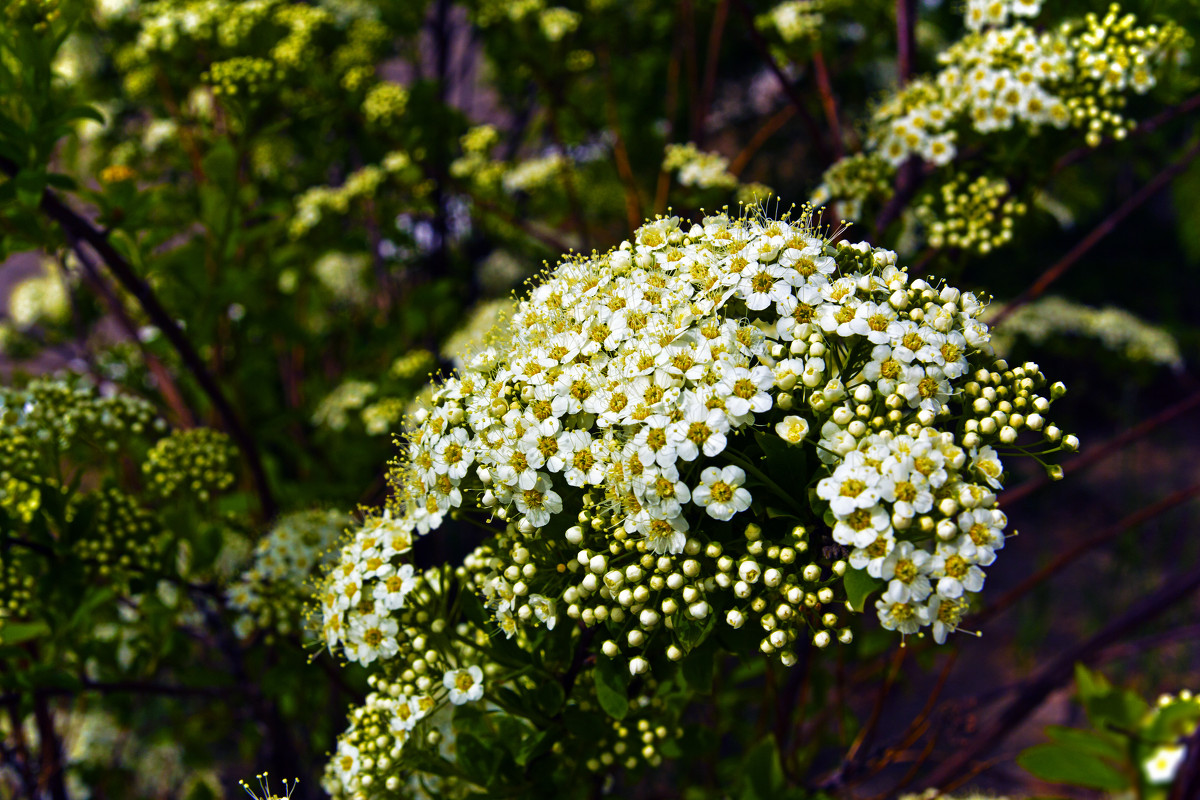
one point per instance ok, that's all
(732, 420)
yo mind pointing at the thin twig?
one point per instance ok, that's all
(1038, 287)
(1095, 455)
(715, 34)
(1110, 533)
(1057, 672)
(760, 45)
(768, 129)
(828, 102)
(662, 186)
(633, 202)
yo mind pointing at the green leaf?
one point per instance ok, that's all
(17, 632)
(859, 586)
(533, 746)
(1065, 764)
(1099, 743)
(697, 668)
(549, 697)
(612, 688)
(764, 773)
(82, 112)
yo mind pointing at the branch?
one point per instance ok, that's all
(828, 102)
(1107, 535)
(764, 52)
(633, 203)
(1095, 455)
(1059, 671)
(710, 70)
(76, 227)
(1038, 287)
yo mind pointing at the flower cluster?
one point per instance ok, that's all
(272, 593)
(694, 168)
(1077, 76)
(243, 75)
(198, 461)
(794, 20)
(854, 181)
(1115, 328)
(976, 215)
(344, 275)
(121, 535)
(1004, 76)
(333, 411)
(737, 420)
(385, 103)
(362, 183)
(534, 173)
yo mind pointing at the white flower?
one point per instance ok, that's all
(465, 685)
(538, 503)
(792, 429)
(391, 591)
(666, 536)
(898, 613)
(987, 463)
(954, 572)
(543, 609)
(702, 430)
(721, 493)
(1163, 764)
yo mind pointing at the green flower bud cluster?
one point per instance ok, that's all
(701, 170)
(312, 205)
(59, 414)
(1115, 328)
(303, 24)
(475, 162)
(197, 462)
(491, 12)
(383, 416)
(35, 14)
(17, 580)
(242, 75)
(976, 215)
(272, 593)
(356, 60)
(854, 181)
(557, 23)
(385, 103)
(120, 534)
(412, 364)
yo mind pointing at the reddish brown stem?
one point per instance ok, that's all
(768, 129)
(1102, 451)
(715, 34)
(906, 40)
(828, 102)
(633, 203)
(1064, 558)
(1038, 287)
(1054, 674)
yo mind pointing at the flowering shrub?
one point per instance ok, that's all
(735, 423)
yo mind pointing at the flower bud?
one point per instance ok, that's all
(812, 573)
(821, 639)
(638, 665)
(734, 618)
